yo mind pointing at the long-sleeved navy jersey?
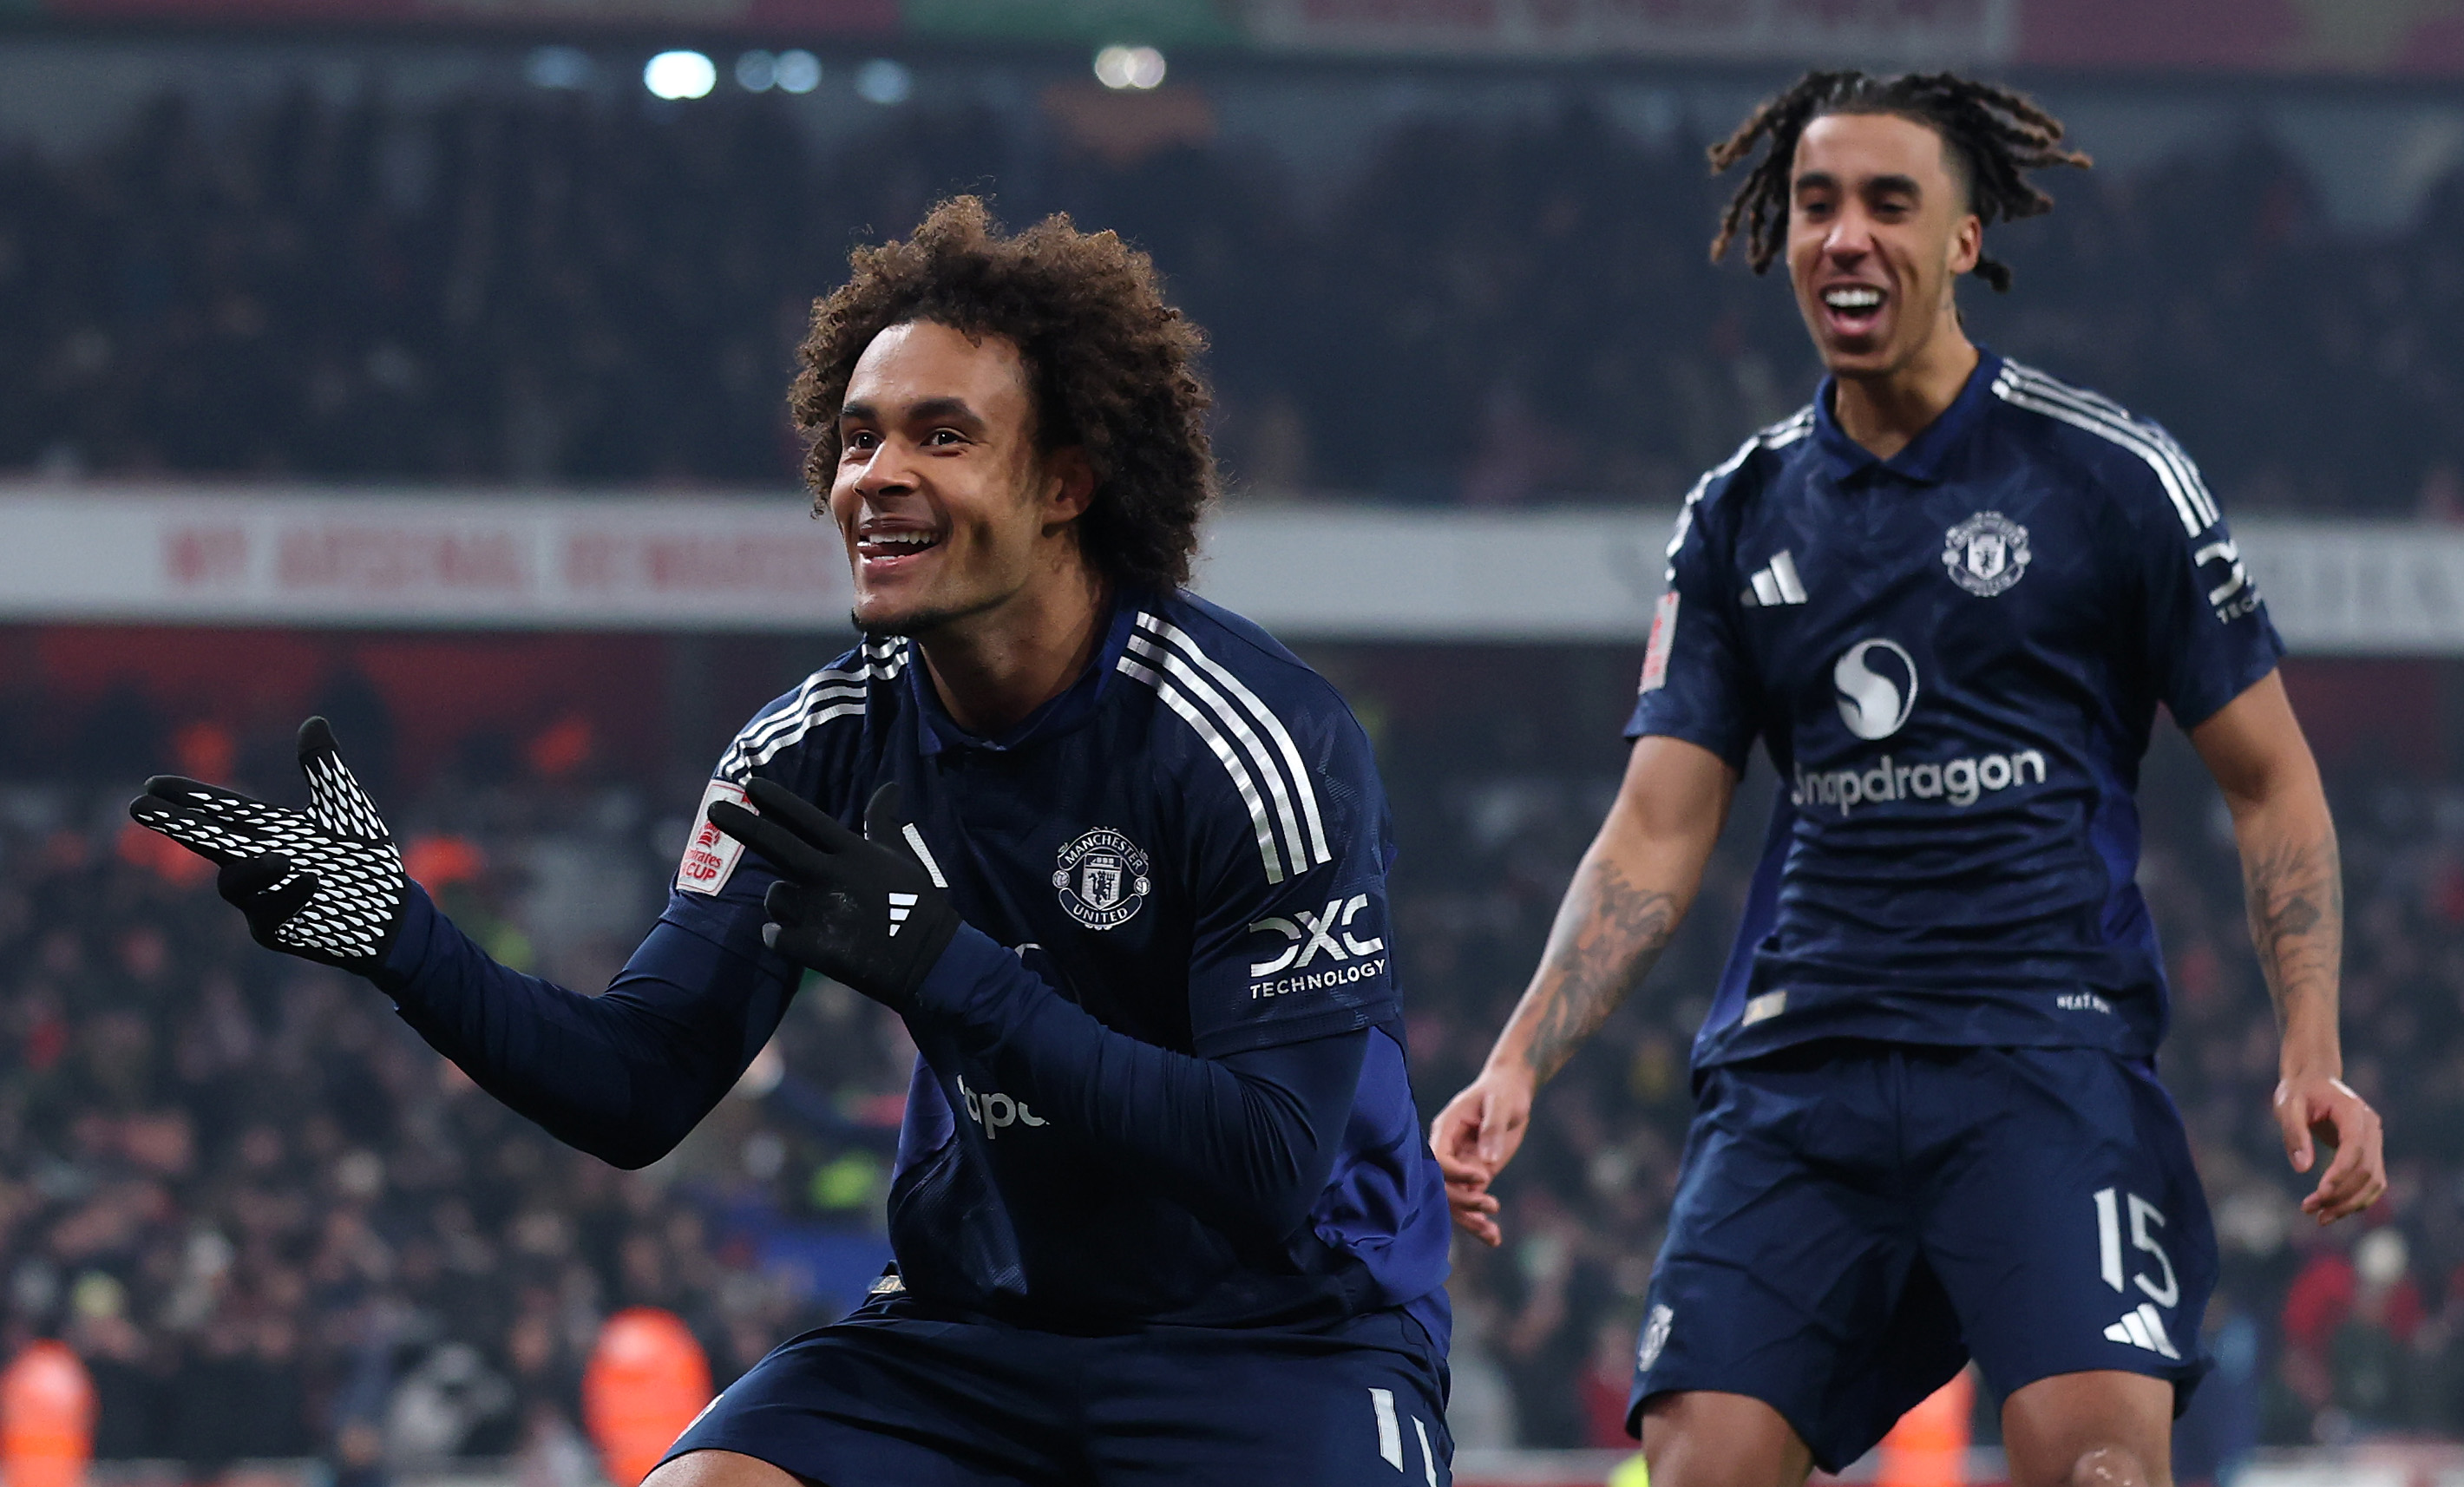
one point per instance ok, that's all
(1161, 1072)
(1954, 658)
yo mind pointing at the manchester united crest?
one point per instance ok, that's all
(1102, 877)
(1986, 553)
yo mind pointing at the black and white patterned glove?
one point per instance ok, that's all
(325, 883)
(866, 911)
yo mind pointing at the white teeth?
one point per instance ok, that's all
(903, 539)
(1852, 299)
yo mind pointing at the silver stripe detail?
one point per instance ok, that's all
(777, 746)
(1390, 1432)
(836, 683)
(2180, 478)
(2094, 407)
(924, 855)
(824, 695)
(1232, 765)
(1295, 846)
(1779, 436)
(1267, 719)
(787, 719)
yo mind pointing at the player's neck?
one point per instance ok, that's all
(991, 669)
(1884, 412)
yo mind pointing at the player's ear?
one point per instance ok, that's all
(1966, 244)
(1068, 486)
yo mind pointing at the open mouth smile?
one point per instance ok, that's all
(1852, 309)
(886, 550)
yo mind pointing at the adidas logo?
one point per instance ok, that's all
(901, 904)
(2144, 1328)
(1775, 584)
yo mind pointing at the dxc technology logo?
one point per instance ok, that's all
(1355, 957)
(1878, 689)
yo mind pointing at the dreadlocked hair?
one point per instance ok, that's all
(1995, 134)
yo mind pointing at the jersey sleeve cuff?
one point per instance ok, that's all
(1248, 1037)
(1731, 750)
(398, 973)
(2190, 712)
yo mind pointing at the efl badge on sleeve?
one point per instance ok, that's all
(712, 855)
(1102, 877)
(1986, 553)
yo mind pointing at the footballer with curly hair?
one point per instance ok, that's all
(1161, 1211)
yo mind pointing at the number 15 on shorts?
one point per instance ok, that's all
(2142, 1326)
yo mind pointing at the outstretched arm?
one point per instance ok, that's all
(2295, 886)
(1629, 893)
(621, 1076)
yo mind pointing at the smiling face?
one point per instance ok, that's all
(948, 507)
(1879, 231)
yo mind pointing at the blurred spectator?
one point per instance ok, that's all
(274, 1224)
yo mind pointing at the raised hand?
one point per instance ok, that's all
(867, 910)
(325, 883)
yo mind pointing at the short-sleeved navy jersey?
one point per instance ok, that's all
(1192, 844)
(1954, 658)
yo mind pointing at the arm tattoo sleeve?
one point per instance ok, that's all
(2296, 894)
(1605, 940)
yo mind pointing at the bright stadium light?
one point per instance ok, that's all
(884, 81)
(1129, 67)
(799, 71)
(755, 72)
(680, 74)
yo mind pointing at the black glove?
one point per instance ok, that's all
(861, 910)
(325, 883)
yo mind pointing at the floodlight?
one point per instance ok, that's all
(680, 74)
(1129, 67)
(799, 71)
(884, 81)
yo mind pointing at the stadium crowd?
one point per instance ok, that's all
(552, 287)
(274, 1224)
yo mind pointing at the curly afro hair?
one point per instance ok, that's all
(1112, 368)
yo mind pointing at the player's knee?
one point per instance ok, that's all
(2114, 1466)
(1721, 1440)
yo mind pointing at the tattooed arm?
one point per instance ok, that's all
(1631, 890)
(2295, 887)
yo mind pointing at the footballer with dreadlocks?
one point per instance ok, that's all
(1947, 597)
(1162, 1210)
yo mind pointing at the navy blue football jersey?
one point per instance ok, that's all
(1190, 843)
(1953, 656)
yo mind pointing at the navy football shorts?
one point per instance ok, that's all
(1856, 1220)
(903, 1394)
